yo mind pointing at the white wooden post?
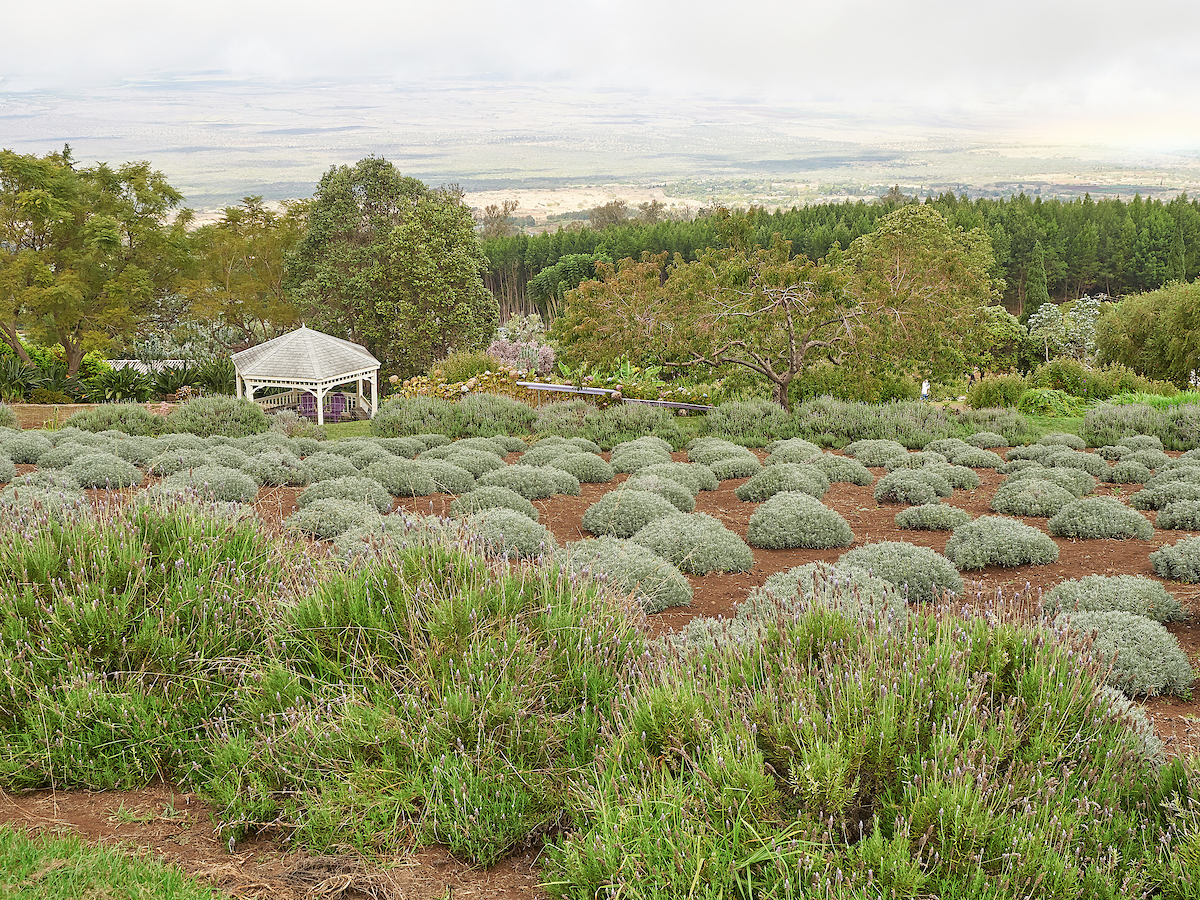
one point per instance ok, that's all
(358, 383)
(321, 406)
(374, 393)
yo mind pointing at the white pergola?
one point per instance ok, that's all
(307, 361)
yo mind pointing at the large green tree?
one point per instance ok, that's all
(394, 265)
(1157, 334)
(909, 297)
(84, 252)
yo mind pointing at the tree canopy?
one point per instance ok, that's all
(84, 252)
(1156, 333)
(394, 265)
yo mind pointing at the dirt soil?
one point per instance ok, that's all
(177, 827)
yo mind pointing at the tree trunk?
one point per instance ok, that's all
(73, 350)
(10, 338)
(781, 394)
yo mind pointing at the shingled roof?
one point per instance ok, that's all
(303, 356)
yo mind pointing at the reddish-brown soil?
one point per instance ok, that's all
(176, 827)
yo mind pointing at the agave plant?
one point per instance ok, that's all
(169, 380)
(17, 379)
(117, 385)
(216, 375)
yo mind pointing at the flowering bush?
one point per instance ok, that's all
(527, 357)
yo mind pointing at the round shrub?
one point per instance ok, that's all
(918, 460)
(1182, 515)
(1033, 451)
(931, 517)
(349, 489)
(1102, 593)
(784, 477)
(63, 455)
(1150, 458)
(843, 469)
(401, 477)
(24, 447)
(997, 541)
(1063, 439)
(213, 482)
(645, 442)
(947, 447)
(447, 477)
(987, 440)
(625, 511)
(547, 449)
(920, 573)
(708, 480)
(1020, 465)
(960, 477)
(497, 444)
(850, 589)
(1113, 451)
(634, 459)
(181, 442)
(407, 447)
(1099, 517)
(1077, 459)
(1161, 495)
(1141, 442)
(587, 467)
(98, 469)
(218, 414)
(506, 532)
(8, 471)
(137, 449)
(696, 543)
(491, 497)
(1128, 471)
(875, 452)
(673, 491)
(977, 458)
(735, 467)
(683, 474)
(532, 482)
(793, 450)
(325, 465)
(130, 418)
(328, 518)
(912, 486)
(1146, 658)
(254, 444)
(429, 441)
(178, 460)
(1076, 481)
(8, 418)
(1033, 497)
(273, 468)
(710, 450)
(1180, 561)
(795, 519)
(629, 568)
(366, 453)
(76, 436)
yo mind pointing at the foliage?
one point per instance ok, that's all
(1146, 658)
(96, 469)
(1179, 561)
(8, 418)
(509, 533)
(447, 477)
(24, 447)
(131, 418)
(753, 423)
(987, 440)
(795, 519)
(696, 543)
(1156, 334)
(996, 391)
(1182, 515)
(847, 589)
(1128, 471)
(532, 482)
(1068, 329)
(921, 573)
(1101, 593)
(121, 386)
(932, 517)
(226, 416)
(1076, 459)
(1036, 293)
(393, 265)
(876, 452)
(792, 450)
(1050, 403)
(734, 467)
(841, 469)
(669, 489)
(1099, 517)
(471, 416)
(350, 489)
(784, 477)
(401, 477)
(1161, 494)
(686, 474)
(623, 512)
(914, 487)
(534, 358)
(85, 251)
(629, 459)
(1077, 481)
(274, 468)
(490, 496)
(1008, 423)
(216, 483)
(627, 568)
(587, 467)
(1035, 497)
(708, 450)
(998, 541)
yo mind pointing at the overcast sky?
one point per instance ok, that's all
(1127, 73)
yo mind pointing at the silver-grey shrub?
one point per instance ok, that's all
(794, 519)
(1146, 658)
(1179, 562)
(326, 519)
(793, 450)
(920, 573)
(875, 452)
(8, 418)
(1101, 593)
(696, 543)
(678, 495)
(628, 568)
(634, 459)
(1033, 497)
(977, 458)
(217, 414)
(1141, 442)
(62, 455)
(625, 511)
(1182, 515)
(998, 541)
(1099, 517)
(273, 468)
(214, 482)
(987, 440)
(1020, 465)
(587, 467)
(1064, 439)
(931, 517)
(784, 477)
(1077, 459)
(25, 447)
(351, 489)
(325, 465)
(408, 447)
(843, 469)
(401, 477)
(708, 451)
(103, 470)
(489, 497)
(1160, 495)
(1149, 457)
(546, 450)
(532, 482)
(8, 471)
(911, 486)
(447, 477)
(917, 460)
(961, 478)
(173, 461)
(734, 467)
(850, 589)
(508, 533)
(687, 475)
(130, 418)
(1113, 451)
(499, 444)
(1128, 471)
(1076, 481)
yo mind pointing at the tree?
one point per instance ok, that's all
(911, 296)
(497, 221)
(1157, 334)
(1036, 292)
(241, 284)
(614, 212)
(651, 212)
(394, 265)
(1177, 259)
(83, 252)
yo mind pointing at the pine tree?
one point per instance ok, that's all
(1177, 258)
(1035, 282)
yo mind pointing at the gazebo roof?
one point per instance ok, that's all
(303, 355)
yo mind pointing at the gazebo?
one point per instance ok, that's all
(309, 364)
